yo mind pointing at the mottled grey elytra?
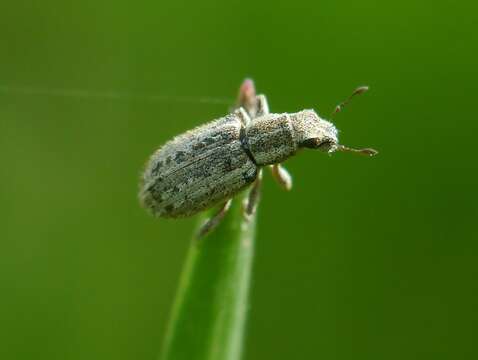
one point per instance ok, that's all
(210, 164)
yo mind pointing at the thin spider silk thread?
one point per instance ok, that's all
(115, 95)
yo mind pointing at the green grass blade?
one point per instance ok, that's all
(209, 313)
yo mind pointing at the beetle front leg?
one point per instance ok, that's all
(214, 221)
(282, 176)
(250, 204)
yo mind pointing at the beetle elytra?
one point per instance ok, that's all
(210, 164)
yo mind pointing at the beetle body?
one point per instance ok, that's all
(197, 169)
(212, 163)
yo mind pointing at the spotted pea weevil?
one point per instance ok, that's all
(212, 163)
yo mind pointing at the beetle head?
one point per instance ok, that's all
(313, 132)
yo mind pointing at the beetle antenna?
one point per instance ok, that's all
(366, 151)
(357, 91)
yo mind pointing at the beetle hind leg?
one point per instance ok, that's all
(214, 221)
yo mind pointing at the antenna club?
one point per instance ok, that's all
(361, 90)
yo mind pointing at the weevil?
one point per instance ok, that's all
(210, 164)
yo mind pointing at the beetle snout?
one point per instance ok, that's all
(327, 145)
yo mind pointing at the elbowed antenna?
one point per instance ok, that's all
(366, 151)
(357, 91)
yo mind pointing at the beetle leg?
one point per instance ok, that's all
(262, 106)
(243, 116)
(282, 176)
(255, 105)
(250, 204)
(214, 221)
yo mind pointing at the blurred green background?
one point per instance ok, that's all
(364, 259)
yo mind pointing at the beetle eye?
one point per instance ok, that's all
(315, 143)
(312, 143)
(325, 145)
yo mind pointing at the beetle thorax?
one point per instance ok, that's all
(271, 139)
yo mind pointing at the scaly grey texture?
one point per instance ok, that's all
(197, 170)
